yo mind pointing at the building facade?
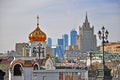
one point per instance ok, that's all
(49, 42)
(22, 48)
(111, 47)
(59, 48)
(65, 41)
(86, 40)
(73, 36)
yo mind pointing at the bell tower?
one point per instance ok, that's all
(38, 42)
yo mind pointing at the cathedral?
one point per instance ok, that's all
(86, 40)
(21, 68)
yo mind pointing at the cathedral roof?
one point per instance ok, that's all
(24, 63)
(37, 34)
(28, 63)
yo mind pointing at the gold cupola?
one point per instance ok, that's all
(37, 34)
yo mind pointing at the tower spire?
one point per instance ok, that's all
(37, 21)
(86, 19)
(86, 23)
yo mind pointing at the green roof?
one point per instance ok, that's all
(100, 52)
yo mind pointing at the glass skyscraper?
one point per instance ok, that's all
(59, 48)
(49, 42)
(73, 36)
(65, 41)
(60, 42)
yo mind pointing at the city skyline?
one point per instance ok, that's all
(57, 17)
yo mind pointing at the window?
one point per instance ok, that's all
(35, 67)
(17, 70)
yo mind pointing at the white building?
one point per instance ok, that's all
(22, 69)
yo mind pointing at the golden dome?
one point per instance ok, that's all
(37, 34)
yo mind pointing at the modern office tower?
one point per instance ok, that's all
(73, 36)
(54, 51)
(49, 42)
(59, 52)
(65, 41)
(60, 42)
(86, 40)
(59, 49)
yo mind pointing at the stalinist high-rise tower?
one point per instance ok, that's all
(86, 40)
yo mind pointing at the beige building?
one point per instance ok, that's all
(86, 39)
(112, 47)
(21, 48)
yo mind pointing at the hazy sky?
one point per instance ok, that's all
(57, 17)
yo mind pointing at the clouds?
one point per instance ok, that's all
(18, 18)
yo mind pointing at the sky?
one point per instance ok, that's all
(57, 17)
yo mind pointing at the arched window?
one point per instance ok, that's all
(17, 70)
(35, 67)
(34, 51)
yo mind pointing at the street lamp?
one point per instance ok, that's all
(40, 50)
(103, 35)
(91, 55)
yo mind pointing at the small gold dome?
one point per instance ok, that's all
(37, 34)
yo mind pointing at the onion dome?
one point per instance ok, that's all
(37, 34)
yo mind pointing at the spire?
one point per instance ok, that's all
(86, 19)
(86, 23)
(37, 21)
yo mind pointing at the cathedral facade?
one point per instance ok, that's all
(86, 40)
(21, 68)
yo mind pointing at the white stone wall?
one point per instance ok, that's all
(27, 73)
(36, 45)
(55, 74)
(46, 76)
(18, 78)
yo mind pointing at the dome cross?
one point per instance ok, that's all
(37, 21)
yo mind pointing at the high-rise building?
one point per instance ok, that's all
(86, 40)
(65, 41)
(59, 49)
(73, 36)
(54, 51)
(49, 42)
(60, 42)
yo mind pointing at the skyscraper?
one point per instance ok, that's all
(65, 41)
(86, 40)
(59, 49)
(60, 42)
(49, 42)
(73, 36)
